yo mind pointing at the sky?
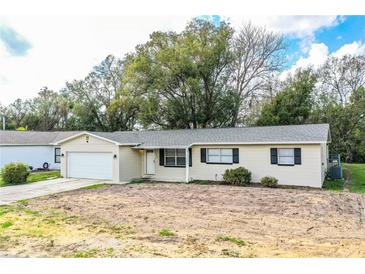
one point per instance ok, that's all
(38, 51)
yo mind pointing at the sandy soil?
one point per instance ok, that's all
(125, 221)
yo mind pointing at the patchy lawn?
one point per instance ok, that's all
(180, 220)
(38, 176)
(357, 176)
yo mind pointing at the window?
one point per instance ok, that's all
(220, 155)
(286, 156)
(57, 155)
(175, 157)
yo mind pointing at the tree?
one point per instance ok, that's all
(339, 76)
(257, 53)
(97, 100)
(183, 76)
(292, 105)
(347, 125)
(17, 111)
(44, 111)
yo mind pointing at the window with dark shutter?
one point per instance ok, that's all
(236, 156)
(190, 157)
(203, 155)
(274, 156)
(162, 157)
(297, 156)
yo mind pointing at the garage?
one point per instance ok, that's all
(90, 165)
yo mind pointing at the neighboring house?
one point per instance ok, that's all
(296, 155)
(31, 147)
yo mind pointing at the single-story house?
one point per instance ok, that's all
(35, 148)
(295, 155)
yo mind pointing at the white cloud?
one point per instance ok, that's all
(319, 53)
(355, 48)
(299, 26)
(67, 47)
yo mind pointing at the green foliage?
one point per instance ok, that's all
(334, 185)
(86, 254)
(357, 172)
(347, 125)
(94, 186)
(269, 181)
(231, 239)
(165, 232)
(183, 76)
(230, 253)
(293, 105)
(239, 176)
(6, 224)
(43, 175)
(15, 173)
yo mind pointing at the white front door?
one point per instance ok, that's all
(90, 165)
(150, 161)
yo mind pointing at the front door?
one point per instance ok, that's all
(150, 161)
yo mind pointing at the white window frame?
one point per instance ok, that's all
(292, 163)
(219, 155)
(175, 156)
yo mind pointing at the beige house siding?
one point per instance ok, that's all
(130, 161)
(80, 144)
(173, 174)
(256, 158)
(324, 160)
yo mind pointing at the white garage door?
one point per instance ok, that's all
(90, 165)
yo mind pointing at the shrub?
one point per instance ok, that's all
(239, 176)
(269, 181)
(15, 173)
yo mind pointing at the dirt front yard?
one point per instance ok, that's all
(179, 220)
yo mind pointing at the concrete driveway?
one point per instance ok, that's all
(11, 194)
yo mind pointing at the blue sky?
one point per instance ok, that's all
(14, 43)
(34, 54)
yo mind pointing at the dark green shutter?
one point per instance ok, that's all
(236, 156)
(203, 155)
(274, 156)
(297, 156)
(190, 157)
(162, 157)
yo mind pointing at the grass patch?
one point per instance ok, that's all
(37, 176)
(231, 239)
(43, 175)
(86, 254)
(94, 186)
(200, 182)
(165, 232)
(7, 224)
(357, 176)
(137, 181)
(230, 253)
(334, 185)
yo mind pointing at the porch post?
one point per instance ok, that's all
(187, 165)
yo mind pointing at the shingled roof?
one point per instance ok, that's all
(14, 137)
(311, 133)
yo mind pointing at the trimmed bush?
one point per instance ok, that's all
(15, 173)
(238, 176)
(269, 181)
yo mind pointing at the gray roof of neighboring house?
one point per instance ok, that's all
(311, 133)
(14, 137)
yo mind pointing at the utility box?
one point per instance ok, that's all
(335, 168)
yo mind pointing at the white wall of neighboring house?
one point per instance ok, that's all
(34, 156)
